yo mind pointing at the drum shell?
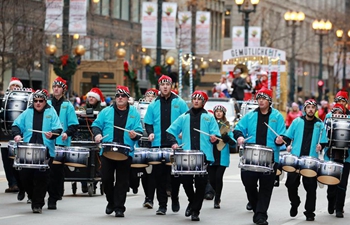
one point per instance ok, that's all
(60, 155)
(289, 162)
(115, 151)
(257, 158)
(29, 153)
(308, 166)
(330, 173)
(154, 156)
(168, 156)
(339, 132)
(140, 158)
(77, 156)
(12, 145)
(189, 162)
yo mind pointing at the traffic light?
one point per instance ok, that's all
(320, 83)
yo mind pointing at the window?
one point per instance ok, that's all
(227, 29)
(116, 9)
(125, 10)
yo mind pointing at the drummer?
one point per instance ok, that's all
(151, 94)
(159, 116)
(196, 118)
(342, 98)
(252, 125)
(308, 138)
(336, 193)
(10, 173)
(66, 112)
(115, 174)
(43, 118)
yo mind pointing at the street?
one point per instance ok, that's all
(82, 209)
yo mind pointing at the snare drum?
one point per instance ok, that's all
(257, 158)
(140, 158)
(29, 155)
(289, 162)
(14, 103)
(60, 154)
(190, 162)
(168, 156)
(329, 173)
(12, 145)
(308, 166)
(338, 131)
(115, 151)
(154, 156)
(77, 156)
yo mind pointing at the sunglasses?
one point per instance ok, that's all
(121, 95)
(41, 101)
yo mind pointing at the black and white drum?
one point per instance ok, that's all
(248, 106)
(154, 156)
(329, 173)
(168, 156)
(14, 103)
(289, 162)
(29, 155)
(189, 162)
(140, 158)
(257, 158)
(77, 156)
(308, 166)
(12, 145)
(142, 108)
(115, 151)
(338, 131)
(60, 154)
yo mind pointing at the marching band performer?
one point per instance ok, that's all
(336, 193)
(115, 174)
(66, 112)
(252, 124)
(309, 138)
(196, 118)
(43, 117)
(221, 153)
(161, 113)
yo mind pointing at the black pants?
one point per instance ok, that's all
(115, 179)
(137, 174)
(336, 193)
(259, 198)
(195, 196)
(8, 167)
(310, 186)
(35, 183)
(216, 174)
(56, 182)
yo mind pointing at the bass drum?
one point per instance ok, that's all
(14, 103)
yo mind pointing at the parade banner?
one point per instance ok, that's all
(169, 11)
(185, 31)
(54, 17)
(237, 36)
(77, 17)
(254, 36)
(254, 51)
(202, 32)
(149, 25)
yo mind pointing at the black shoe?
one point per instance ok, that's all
(148, 204)
(339, 214)
(188, 211)
(119, 214)
(261, 221)
(330, 207)
(52, 205)
(249, 206)
(21, 195)
(12, 189)
(109, 209)
(135, 190)
(37, 210)
(195, 217)
(209, 196)
(175, 205)
(311, 218)
(161, 211)
(293, 211)
(29, 201)
(216, 205)
(277, 183)
(84, 189)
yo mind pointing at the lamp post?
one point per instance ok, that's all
(204, 65)
(293, 19)
(246, 10)
(321, 29)
(170, 61)
(343, 40)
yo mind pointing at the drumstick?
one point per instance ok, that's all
(205, 133)
(43, 132)
(181, 145)
(105, 136)
(247, 138)
(120, 128)
(274, 132)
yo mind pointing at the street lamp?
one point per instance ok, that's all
(293, 19)
(246, 10)
(321, 28)
(343, 40)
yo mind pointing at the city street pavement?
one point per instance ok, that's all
(82, 209)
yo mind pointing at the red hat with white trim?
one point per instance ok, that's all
(16, 81)
(123, 90)
(59, 81)
(264, 93)
(97, 93)
(165, 79)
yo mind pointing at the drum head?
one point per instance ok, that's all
(115, 156)
(308, 173)
(75, 164)
(328, 180)
(139, 165)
